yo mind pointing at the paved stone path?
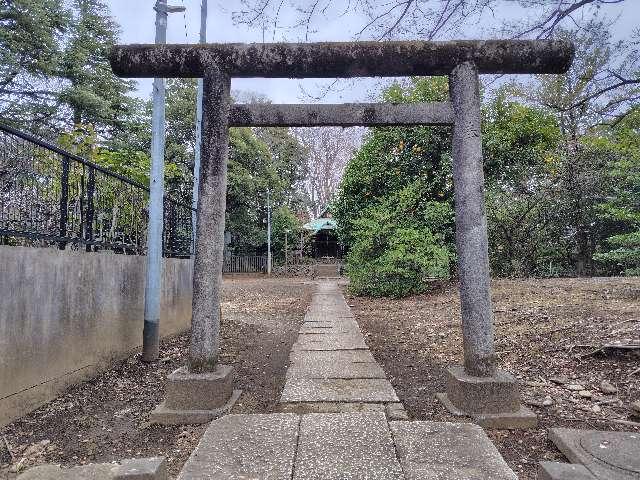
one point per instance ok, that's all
(332, 370)
(342, 446)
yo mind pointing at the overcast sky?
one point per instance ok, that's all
(137, 21)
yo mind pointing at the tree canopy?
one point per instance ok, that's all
(55, 73)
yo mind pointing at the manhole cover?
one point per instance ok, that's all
(618, 449)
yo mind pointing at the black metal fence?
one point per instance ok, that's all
(51, 197)
(244, 264)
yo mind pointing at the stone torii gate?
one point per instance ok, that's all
(204, 389)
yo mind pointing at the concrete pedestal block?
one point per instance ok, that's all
(196, 397)
(199, 391)
(495, 394)
(492, 402)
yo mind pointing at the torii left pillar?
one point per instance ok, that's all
(203, 390)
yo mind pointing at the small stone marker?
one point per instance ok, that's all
(607, 388)
(607, 455)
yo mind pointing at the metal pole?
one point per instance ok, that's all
(196, 163)
(471, 224)
(286, 255)
(152, 291)
(64, 201)
(268, 234)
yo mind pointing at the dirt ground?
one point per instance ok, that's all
(106, 418)
(545, 330)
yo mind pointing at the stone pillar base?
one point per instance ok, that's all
(196, 397)
(492, 402)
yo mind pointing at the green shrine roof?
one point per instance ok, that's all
(320, 224)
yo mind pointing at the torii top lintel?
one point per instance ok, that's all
(342, 59)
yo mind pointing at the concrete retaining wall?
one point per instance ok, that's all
(64, 316)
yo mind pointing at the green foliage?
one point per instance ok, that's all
(288, 159)
(394, 208)
(83, 141)
(546, 220)
(516, 139)
(92, 92)
(284, 223)
(391, 159)
(249, 176)
(519, 147)
(621, 252)
(625, 253)
(390, 257)
(54, 70)
(30, 33)
(524, 235)
(556, 204)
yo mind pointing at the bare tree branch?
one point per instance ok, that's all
(328, 151)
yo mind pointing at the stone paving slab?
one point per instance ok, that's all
(352, 356)
(336, 329)
(330, 342)
(318, 322)
(335, 322)
(338, 364)
(344, 447)
(374, 390)
(245, 447)
(607, 455)
(330, 361)
(447, 451)
(303, 408)
(327, 317)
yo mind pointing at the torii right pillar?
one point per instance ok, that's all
(476, 389)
